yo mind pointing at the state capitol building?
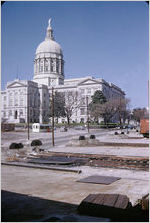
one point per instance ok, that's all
(49, 72)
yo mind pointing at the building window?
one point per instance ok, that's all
(10, 112)
(10, 99)
(16, 99)
(21, 101)
(4, 114)
(82, 91)
(16, 102)
(88, 91)
(21, 112)
(82, 111)
(10, 102)
(82, 101)
(4, 98)
(4, 105)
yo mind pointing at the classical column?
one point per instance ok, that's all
(59, 66)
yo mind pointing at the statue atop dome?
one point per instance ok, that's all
(49, 22)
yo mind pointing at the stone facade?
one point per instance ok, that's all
(21, 97)
(34, 96)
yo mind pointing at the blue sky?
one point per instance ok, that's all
(100, 39)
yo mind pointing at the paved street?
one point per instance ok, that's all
(60, 137)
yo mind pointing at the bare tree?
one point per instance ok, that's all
(139, 113)
(110, 109)
(122, 106)
(72, 102)
(59, 105)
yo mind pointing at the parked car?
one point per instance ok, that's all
(63, 129)
(79, 127)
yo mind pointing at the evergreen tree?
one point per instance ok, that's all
(59, 105)
(98, 98)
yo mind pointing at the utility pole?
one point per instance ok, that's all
(87, 113)
(53, 116)
(28, 118)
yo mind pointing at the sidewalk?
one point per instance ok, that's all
(122, 151)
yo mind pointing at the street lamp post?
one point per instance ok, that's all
(53, 142)
(28, 119)
(87, 114)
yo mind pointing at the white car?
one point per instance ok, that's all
(79, 127)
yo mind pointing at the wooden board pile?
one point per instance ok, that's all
(117, 207)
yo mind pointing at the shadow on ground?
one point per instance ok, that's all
(17, 207)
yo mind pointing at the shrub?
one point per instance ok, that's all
(16, 146)
(116, 133)
(36, 142)
(92, 136)
(122, 133)
(81, 137)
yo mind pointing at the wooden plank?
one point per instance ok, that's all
(99, 199)
(90, 198)
(122, 202)
(110, 199)
(121, 211)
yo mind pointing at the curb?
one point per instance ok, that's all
(40, 167)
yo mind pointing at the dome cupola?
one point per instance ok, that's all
(49, 45)
(48, 63)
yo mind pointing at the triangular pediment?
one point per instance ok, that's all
(15, 84)
(88, 82)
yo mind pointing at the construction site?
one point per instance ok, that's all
(96, 176)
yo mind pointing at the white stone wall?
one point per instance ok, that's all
(21, 95)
